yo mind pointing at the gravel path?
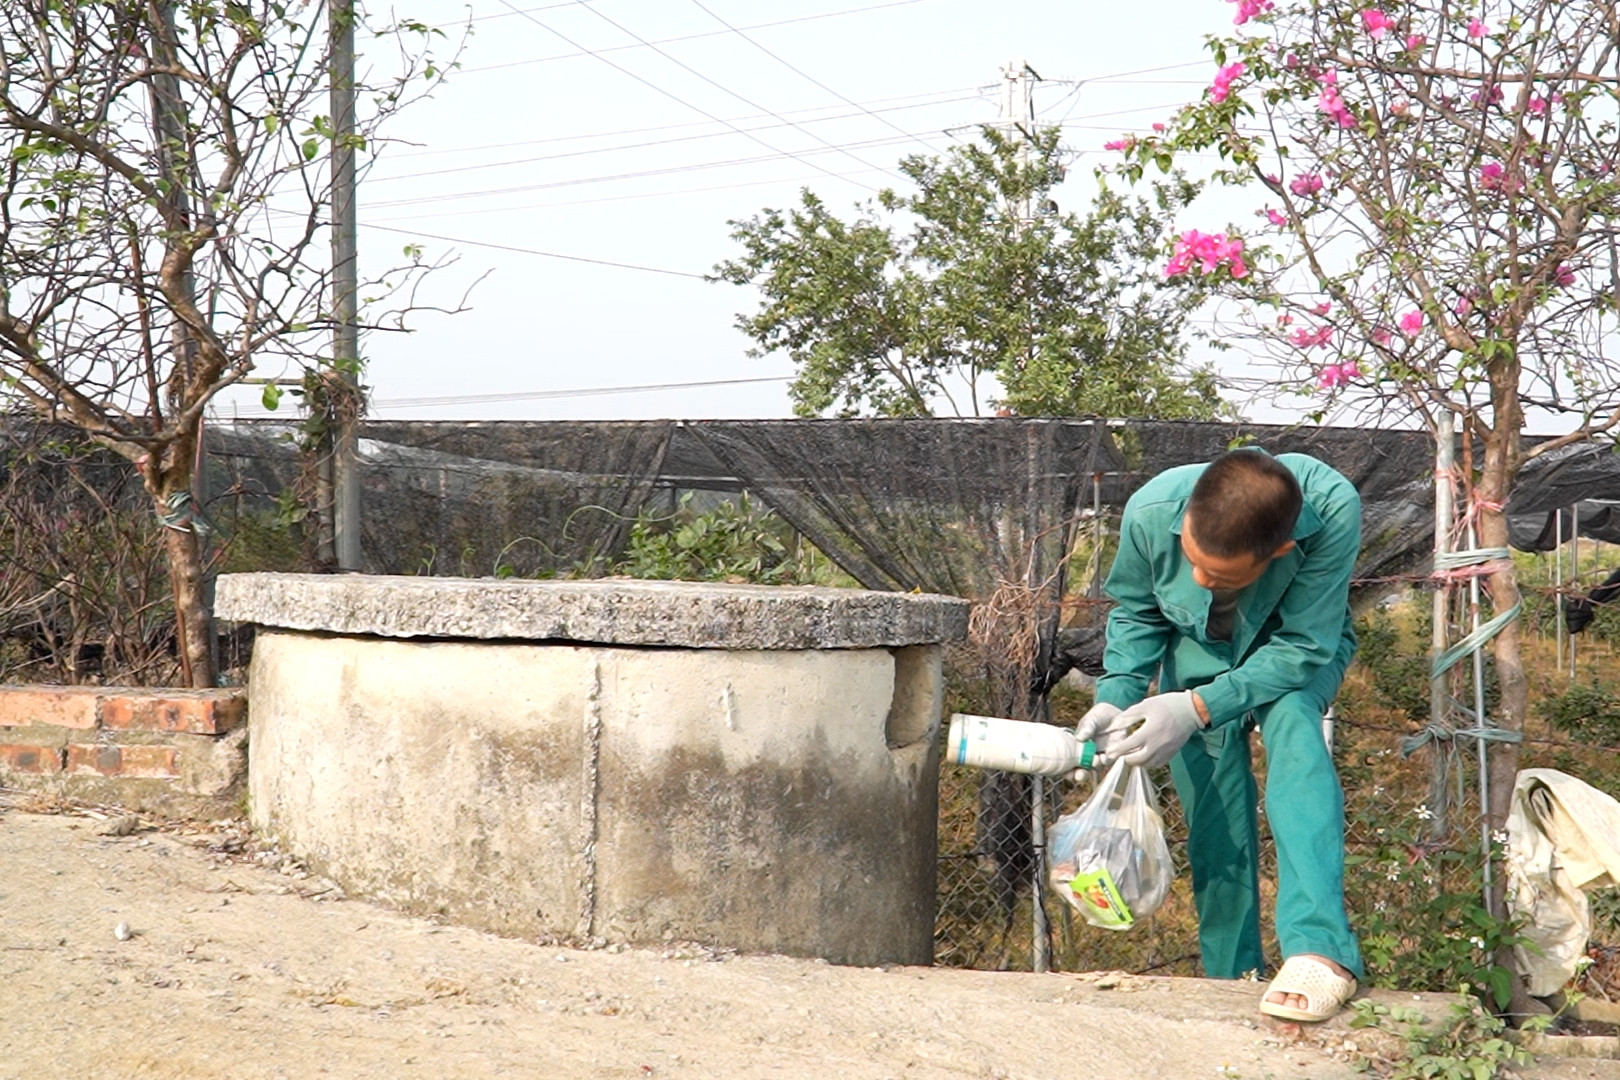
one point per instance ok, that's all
(180, 954)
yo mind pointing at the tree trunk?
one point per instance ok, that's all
(168, 476)
(192, 619)
(1503, 456)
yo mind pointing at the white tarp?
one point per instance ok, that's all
(1562, 840)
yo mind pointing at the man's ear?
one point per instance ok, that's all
(1285, 549)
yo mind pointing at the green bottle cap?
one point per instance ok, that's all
(1088, 754)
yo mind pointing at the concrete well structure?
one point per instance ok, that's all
(748, 766)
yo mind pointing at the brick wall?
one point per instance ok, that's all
(167, 751)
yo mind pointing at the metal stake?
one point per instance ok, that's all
(1041, 955)
(1479, 726)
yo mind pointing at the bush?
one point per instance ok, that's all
(733, 542)
(1590, 712)
(1400, 678)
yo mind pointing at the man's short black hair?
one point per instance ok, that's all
(1246, 502)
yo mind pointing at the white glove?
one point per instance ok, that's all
(1163, 726)
(1102, 727)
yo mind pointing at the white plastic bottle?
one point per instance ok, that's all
(994, 742)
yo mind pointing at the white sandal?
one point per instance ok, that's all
(1324, 990)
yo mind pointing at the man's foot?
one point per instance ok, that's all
(1308, 987)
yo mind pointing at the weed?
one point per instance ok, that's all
(1469, 1045)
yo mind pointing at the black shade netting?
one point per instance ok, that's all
(475, 499)
(1392, 470)
(980, 509)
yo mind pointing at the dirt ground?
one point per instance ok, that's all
(182, 953)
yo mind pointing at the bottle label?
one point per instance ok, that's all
(1100, 902)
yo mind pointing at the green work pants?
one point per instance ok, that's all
(1305, 805)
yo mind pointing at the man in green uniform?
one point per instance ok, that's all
(1232, 587)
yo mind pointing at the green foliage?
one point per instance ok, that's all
(1419, 910)
(1589, 711)
(1399, 666)
(1468, 1046)
(1069, 314)
(259, 541)
(1400, 678)
(732, 542)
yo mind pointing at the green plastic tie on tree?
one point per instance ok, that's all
(1448, 659)
(181, 515)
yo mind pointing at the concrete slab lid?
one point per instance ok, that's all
(614, 611)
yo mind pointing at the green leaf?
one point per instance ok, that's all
(271, 397)
(312, 147)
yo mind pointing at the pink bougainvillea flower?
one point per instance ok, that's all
(1536, 106)
(1276, 217)
(1206, 251)
(1125, 143)
(1400, 108)
(1324, 307)
(1291, 60)
(1329, 101)
(1158, 127)
(1564, 276)
(1248, 9)
(1493, 177)
(1382, 335)
(1306, 338)
(1477, 27)
(1336, 375)
(1489, 94)
(1377, 23)
(1463, 306)
(1414, 42)
(1306, 184)
(1222, 86)
(1273, 179)
(1412, 323)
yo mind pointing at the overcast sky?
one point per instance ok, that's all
(566, 132)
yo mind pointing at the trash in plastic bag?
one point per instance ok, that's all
(1109, 858)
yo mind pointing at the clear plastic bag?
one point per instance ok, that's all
(1109, 859)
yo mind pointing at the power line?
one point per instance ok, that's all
(670, 40)
(535, 251)
(525, 11)
(642, 173)
(797, 70)
(705, 123)
(680, 100)
(540, 395)
(628, 198)
(630, 146)
(684, 66)
(550, 395)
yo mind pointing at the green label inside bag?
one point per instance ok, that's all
(1100, 900)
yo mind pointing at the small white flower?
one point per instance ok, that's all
(1394, 875)
(1379, 790)
(1423, 812)
(1500, 836)
(1477, 942)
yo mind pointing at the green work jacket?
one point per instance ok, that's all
(1292, 627)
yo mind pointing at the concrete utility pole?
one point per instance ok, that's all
(345, 284)
(1016, 119)
(1016, 122)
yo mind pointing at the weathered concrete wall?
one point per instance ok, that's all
(779, 801)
